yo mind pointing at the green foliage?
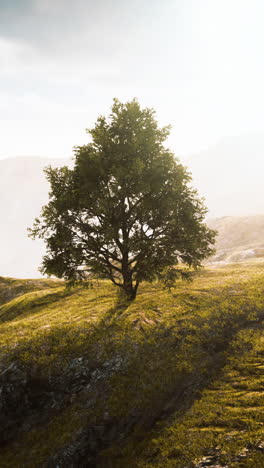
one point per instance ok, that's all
(126, 211)
(171, 274)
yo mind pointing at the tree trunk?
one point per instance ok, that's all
(128, 287)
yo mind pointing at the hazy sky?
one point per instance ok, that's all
(199, 63)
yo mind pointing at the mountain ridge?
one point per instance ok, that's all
(228, 175)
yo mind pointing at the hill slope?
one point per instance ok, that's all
(172, 379)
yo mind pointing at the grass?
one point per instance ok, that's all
(226, 420)
(177, 376)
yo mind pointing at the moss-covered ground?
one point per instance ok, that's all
(175, 377)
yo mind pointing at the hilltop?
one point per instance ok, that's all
(170, 380)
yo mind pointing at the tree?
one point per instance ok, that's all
(126, 210)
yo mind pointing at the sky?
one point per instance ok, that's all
(199, 63)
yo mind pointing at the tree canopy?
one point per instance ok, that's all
(126, 211)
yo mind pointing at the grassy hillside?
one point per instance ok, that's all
(170, 380)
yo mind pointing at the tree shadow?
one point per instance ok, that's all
(114, 313)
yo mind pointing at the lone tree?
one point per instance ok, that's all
(126, 210)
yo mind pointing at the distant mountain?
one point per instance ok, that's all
(230, 176)
(23, 191)
(239, 238)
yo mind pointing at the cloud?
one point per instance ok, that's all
(63, 26)
(81, 43)
(62, 61)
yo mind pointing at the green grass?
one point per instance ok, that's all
(226, 420)
(11, 288)
(176, 374)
